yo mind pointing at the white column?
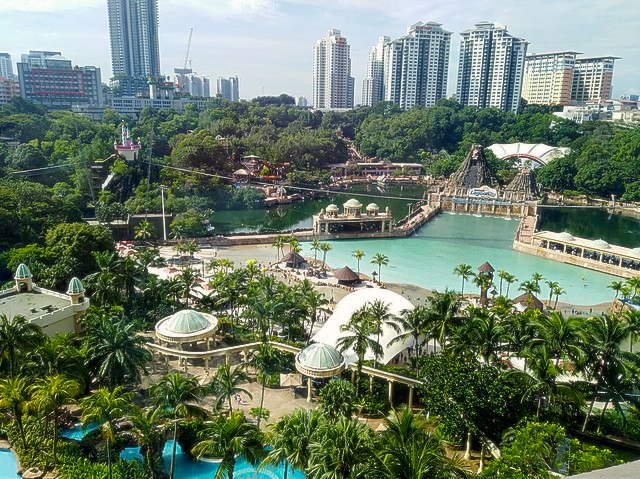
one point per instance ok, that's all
(309, 389)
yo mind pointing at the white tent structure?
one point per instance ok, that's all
(330, 332)
(538, 154)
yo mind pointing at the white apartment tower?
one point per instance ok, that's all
(6, 67)
(373, 84)
(416, 66)
(333, 84)
(133, 29)
(548, 78)
(491, 67)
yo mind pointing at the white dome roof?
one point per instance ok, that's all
(352, 203)
(330, 331)
(186, 324)
(635, 252)
(372, 207)
(332, 208)
(564, 236)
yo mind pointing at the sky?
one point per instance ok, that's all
(268, 43)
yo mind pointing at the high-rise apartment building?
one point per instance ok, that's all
(302, 102)
(373, 84)
(8, 89)
(229, 88)
(51, 80)
(592, 79)
(491, 67)
(193, 84)
(416, 66)
(548, 78)
(333, 85)
(6, 67)
(135, 52)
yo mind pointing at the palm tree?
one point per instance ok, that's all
(380, 315)
(443, 311)
(290, 439)
(59, 355)
(144, 230)
(226, 384)
(15, 394)
(553, 285)
(358, 255)
(536, 278)
(480, 335)
(509, 279)
(187, 280)
(115, 352)
(616, 286)
(529, 287)
(325, 248)
(49, 395)
(381, 260)
(465, 272)
(343, 450)
(502, 274)
(562, 335)
(315, 247)
(278, 243)
(228, 438)
(484, 282)
(17, 337)
(149, 434)
(177, 395)
(314, 302)
(634, 284)
(409, 449)
(104, 407)
(413, 323)
(360, 329)
(632, 318)
(557, 291)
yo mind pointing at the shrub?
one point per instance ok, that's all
(337, 398)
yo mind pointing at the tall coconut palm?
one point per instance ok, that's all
(149, 434)
(315, 247)
(343, 450)
(562, 335)
(144, 230)
(178, 395)
(414, 323)
(187, 281)
(49, 395)
(314, 302)
(553, 285)
(228, 438)
(325, 248)
(557, 291)
(115, 352)
(616, 286)
(59, 355)
(529, 287)
(410, 449)
(380, 315)
(380, 260)
(509, 279)
(502, 274)
(484, 282)
(443, 310)
(15, 394)
(358, 254)
(290, 439)
(226, 384)
(104, 406)
(465, 272)
(481, 335)
(278, 244)
(537, 278)
(17, 337)
(632, 318)
(360, 331)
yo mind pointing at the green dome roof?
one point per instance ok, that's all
(75, 286)
(23, 272)
(320, 356)
(186, 321)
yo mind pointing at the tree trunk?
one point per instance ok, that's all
(604, 410)
(173, 449)
(481, 466)
(264, 382)
(286, 470)
(55, 438)
(18, 417)
(109, 466)
(586, 419)
(539, 406)
(462, 290)
(467, 451)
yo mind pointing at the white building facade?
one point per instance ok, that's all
(373, 84)
(6, 66)
(416, 66)
(333, 85)
(491, 67)
(229, 88)
(548, 78)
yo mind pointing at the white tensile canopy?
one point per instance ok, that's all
(330, 332)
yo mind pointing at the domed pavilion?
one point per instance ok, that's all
(319, 360)
(186, 326)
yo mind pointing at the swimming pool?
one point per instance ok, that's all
(186, 468)
(8, 465)
(78, 432)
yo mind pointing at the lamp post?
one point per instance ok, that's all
(164, 221)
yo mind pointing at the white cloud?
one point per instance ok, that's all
(7, 6)
(223, 9)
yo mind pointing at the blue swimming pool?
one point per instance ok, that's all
(189, 469)
(8, 465)
(78, 432)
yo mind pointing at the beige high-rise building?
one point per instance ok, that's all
(548, 78)
(333, 84)
(593, 79)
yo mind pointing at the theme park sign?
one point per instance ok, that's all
(483, 192)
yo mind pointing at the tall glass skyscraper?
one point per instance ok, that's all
(135, 53)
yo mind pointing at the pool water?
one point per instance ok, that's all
(8, 465)
(78, 432)
(186, 468)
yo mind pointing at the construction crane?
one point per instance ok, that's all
(186, 57)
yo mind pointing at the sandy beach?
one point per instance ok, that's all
(266, 255)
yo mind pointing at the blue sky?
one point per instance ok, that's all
(268, 43)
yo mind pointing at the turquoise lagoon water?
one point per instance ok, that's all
(186, 468)
(8, 465)
(427, 259)
(78, 432)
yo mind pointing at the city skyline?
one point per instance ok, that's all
(268, 43)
